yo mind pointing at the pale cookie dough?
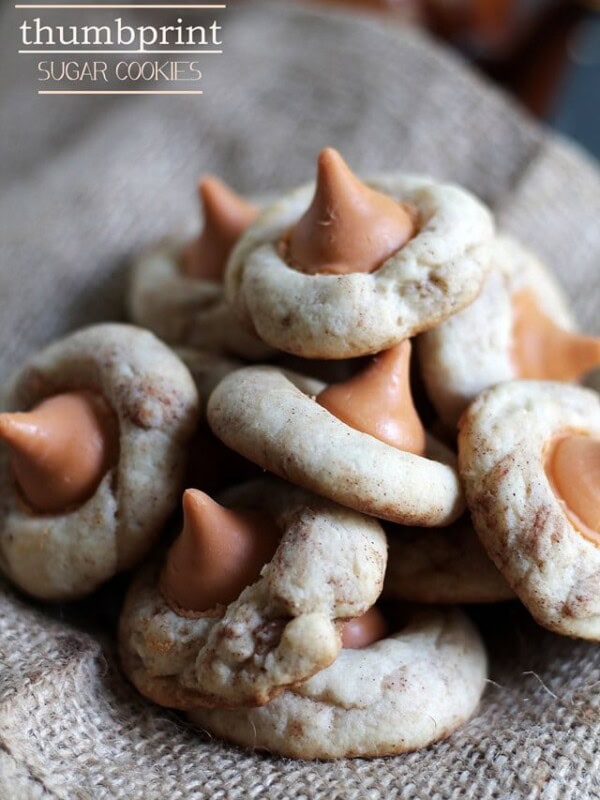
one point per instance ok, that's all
(282, 629)
(63, 556)
(441, 566)
(473, 349)
(270, 419)
(211, 465)
(521, 522)
(438, 272)
(402, 693)
(207, 370)
(186, 311)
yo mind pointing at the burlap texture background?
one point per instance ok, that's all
(86, 182)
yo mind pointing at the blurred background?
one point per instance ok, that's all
(545, 52)
(87, 182)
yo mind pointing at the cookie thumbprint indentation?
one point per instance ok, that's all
(573, 467)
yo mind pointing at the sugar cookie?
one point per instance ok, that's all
(519, 327)
(176, 286)
(529, 455)
(59, 554)
(441, 566)
(268, 418)
(402, 693)
(435, 258)
(283, 628)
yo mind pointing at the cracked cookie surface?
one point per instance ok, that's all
(400, 694)
(329, 567)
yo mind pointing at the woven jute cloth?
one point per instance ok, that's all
(87, 182)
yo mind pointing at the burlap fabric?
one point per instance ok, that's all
(86, 183)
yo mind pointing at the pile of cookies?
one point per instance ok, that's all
(307, 604)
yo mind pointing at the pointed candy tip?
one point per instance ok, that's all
(348, 226)
(195, 503)
(191, 497)
(331, 169)
(15, 431)
(543, 350)
(226, 216)
(222, 204)
(218, 553)
(60, 449)
(207, 181)
(209, 187)
(328, 152)
(7, 425)
(378, 401)
(330, 157)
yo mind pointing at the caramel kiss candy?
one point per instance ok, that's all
(543, 351)
(573, 467)
(378, 401)
(348, 227)
(218, 553)
(364, 630)
(226, 217)
(60, 449)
